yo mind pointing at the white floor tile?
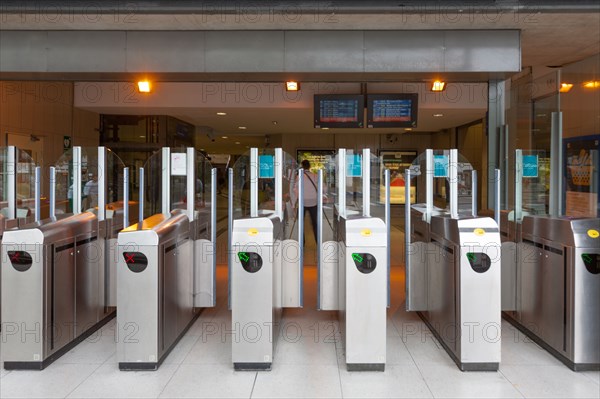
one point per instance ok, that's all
(181, 350)
(535, 381)
(210, 349)
(425, 349)
(56, 381)
(4, 372)
(396, 382)
(293, 381)
(209, 381)
(109, 382)
(449, 382)
(397, 352)
(593, 375)
(96, 349)
(524, 352)
(304, 351)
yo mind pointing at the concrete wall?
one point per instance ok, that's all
(43, 110)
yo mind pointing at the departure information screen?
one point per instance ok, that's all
(392, 110)
(339, 110)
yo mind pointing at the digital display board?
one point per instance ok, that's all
(397, 161)
(339, 111)
(392, 110)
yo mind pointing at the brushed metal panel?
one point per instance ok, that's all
(23, 51)
(165, 51)
(330, 51)
(64, 297)
(404, 51)
(485, 50)
(245, 51)
(86, 51)
(86, 287)
(552, 327)
(509, 276)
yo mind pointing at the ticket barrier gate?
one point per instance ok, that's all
(155, 282)
(265, 252)
(356, 284)
(453, 266)
(558, 290)
(50, 290)
(256, 288)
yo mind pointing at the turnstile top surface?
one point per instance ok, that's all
(570, 232)
(450, 229)
(158, 227)
(364, 231)
(52, 229)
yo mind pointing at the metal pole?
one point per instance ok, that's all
(497, 202)
(453, 175)
(229, 236)
(213, 229)
(388, 225)
(407, 230)
(366, 182)
(301, 233)
(141, 197)
(101, 175)
(254, 165)
(38, 193)
(556, 194)
(518, 185)
(125, 197)
(166, 181)
(191, 181)
(429, 173)
(342, 183)
(52, 193)
(278, 174)
(77, 180)
(11, 182)
(319, 234)
(474, 193)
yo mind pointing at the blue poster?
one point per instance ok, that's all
(353, 165)
(440, 166)
(266, 166)
(530, 166)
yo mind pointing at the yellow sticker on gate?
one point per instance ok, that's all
(593, 233)
(365, 232)
(479, 232)
(252, 232)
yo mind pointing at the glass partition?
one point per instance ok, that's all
(4, 169)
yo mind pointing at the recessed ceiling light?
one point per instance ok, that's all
(221, 113)
(438, 85)
(292, 86)
(242, 127)
(274, 122)
(565, 87)
(201, 149)
(224, 137)
(142, 137)
(237, 142)
(143, 86)
(438, 115)
(593, 84)
(408, 129)
(324, 128)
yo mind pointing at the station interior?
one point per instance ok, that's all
(521, 82)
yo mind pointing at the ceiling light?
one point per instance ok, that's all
(324, 128)
(242, 127)
(408, 129)
(565, 87)
(142, 137)
(143, 86)
(224, 137)
(274, 122)
(593, 84)
(237, 142)
(438, 115)
(221, 113)
(292, 86)
(438, 85)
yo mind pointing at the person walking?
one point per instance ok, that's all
(309, 199)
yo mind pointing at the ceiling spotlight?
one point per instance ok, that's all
(438, 115)
(292, 86)
(408, 129)
(221, 113)
(274, 122)
(224, 137)
(242, 127)
(237, 142)
(593, 84)
(565, 87)
(438, 85)
(143, 86)
(324, 128)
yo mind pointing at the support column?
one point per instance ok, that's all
(496, 122)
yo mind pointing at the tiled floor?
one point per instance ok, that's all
(308, 363)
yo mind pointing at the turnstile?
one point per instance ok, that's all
(50, 291)
(265, 252)
(453, 264)
(256, 291)
(154, 291)
(558, 290)
(353, 273)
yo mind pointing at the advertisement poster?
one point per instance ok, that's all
(581, 164)
(318, 158)
(397, 162)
